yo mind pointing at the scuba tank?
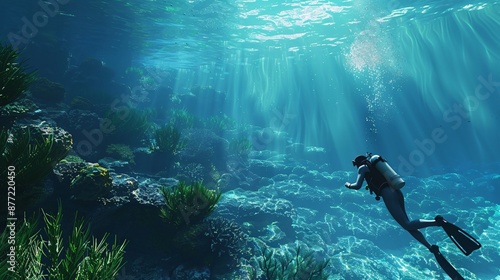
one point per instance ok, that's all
(395, 181)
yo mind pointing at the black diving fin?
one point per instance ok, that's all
(464, 241)
(445, 265)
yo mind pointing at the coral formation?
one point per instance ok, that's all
(188, 204)
(13, 109)
(72, 159)
(16, 110)
(65, 171)
(227, 239)
(214, 241)
(190, 172)
(39, 256)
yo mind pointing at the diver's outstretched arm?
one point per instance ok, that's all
(359, 180)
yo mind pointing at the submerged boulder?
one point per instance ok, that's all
(205, 147)
(92, 183)
(47, 90)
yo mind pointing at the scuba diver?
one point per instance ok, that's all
(382, 180)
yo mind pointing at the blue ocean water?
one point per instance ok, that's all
(312, 84)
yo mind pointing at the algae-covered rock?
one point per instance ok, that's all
(66, 171)
(15, 110)
(120, 151)
(92, 183)
(47, 90)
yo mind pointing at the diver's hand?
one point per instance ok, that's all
(347, 185)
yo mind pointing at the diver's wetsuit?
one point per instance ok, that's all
(395, 203)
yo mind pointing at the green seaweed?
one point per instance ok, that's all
(241, 147)
(293, 265)
(14, 79)
(188, 204)
(134, 74)
(128, 125)
(181, 119)
(4, 136)
(32, 157)
(167, 140)
(44, 256)
(219, 124)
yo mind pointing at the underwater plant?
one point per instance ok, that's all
(33, 156)
(191, 172)
(219, 124)
(167, 140)
(120, 151)
(148, 82)
(240, 147)
(188, 204)
(227, 239)
(134, 74)
(213, 242)
(14, 79)
(49, 255)
(128, 125)
(293, 265)
(4, 136)
(181, 119)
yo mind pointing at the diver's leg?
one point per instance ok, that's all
(445, 265)
(415, 224)
(394, 201)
